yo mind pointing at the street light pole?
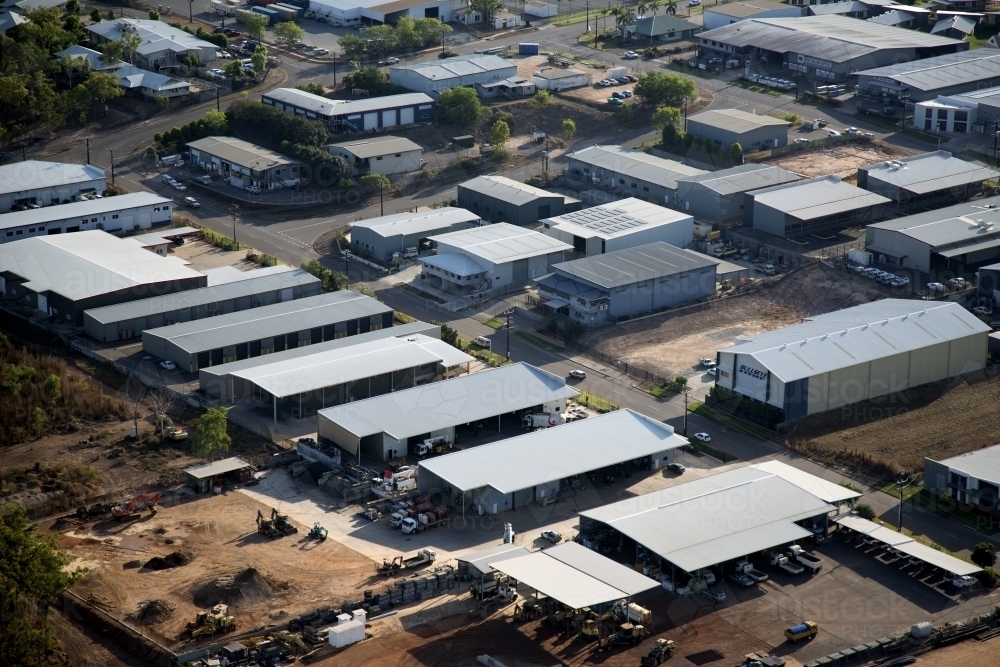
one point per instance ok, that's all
(88, 151)
(112, 151)
(508, 314)
(901, 484)
(381, 204)
(234, 210)
(685, 413)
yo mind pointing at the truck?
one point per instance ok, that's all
(542, 420)
(424, 521)
(430, 446)
(748, 569)
(396, 519)
(811, 562)
(797, 633)
(615, 72)
(223, 8)
(786, 565)
(632, 613)
(423, 557)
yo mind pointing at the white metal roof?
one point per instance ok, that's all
(158, 34)
(859, 334)
(168, 234)
(456, 67)
(483, 559)
(460, 265)
(952, 227)
(506, 189)
(377, 146)
(817, 197)
(241, 152)
(405, 224)
(944, 71)
(929, 172)
(636, 164)
(736, 120)
(871, 529)
(555, 453)
(825, 490)
(460, 400)
(603, 569)
(221, 467)
(981, 464)
(35, 174)
(908, 545)
(289, 377)
(81, 209)
(500, 243)
(616, 219)
(633, 265)
(750, 176)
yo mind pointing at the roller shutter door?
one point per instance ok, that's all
(406, 116)
(389, 118)
(371, 121)
(520, 270)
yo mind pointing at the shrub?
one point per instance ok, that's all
(865, 511)
(988, 578)
(984, 554)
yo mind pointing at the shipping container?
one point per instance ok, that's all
(270, 14)
(527, 49)
(282, 5)
(285, 13)
(615, 73)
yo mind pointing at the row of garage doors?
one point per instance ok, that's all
(390, 118)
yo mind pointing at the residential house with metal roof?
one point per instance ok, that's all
(37, 183)
(972, 478)
(717, 16)
(855, 354)
(929, 180)
(265, 330)
(957, 27)
(62, 275)
(618, 225)
(626, 283)
(380, 155)
(751, 131)
(244, 164)
(928, 79)
(386, 426)
(473, 261)
(662, 28)
(85, 58)
(719, 195)
(383, 236)
(963, 235)
(128, 320)
(820, 204)
(434, 76)
(124, 213)
(150, 84)
(361, 115)
(162, 45)
(630, 171)
(502, 199)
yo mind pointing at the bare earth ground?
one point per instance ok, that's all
(965, 654)
(203, 256)
(669, 343)
(842, 160)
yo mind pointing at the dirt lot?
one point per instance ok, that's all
(842, 160)
(206, 256)
(670, 343)
(965, 654)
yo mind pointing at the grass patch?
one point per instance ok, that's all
(494, 323)
(537, 341)
(422, 294)
(950, 509)
(670, 388)
(909, 131)
(595, 402)
(603, 41)
(908, 491)
(728, 420)
(570, 19)
(757, 88)
(483, 353)
(851, 485)
(691, 71)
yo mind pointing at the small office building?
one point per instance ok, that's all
(629, 171)
(558, 79)
(819, 204)
(732, 126)
(930, 180)
(627, 283)
(153, 85)
(957, 237)
(510, 88)
(475, 260)
(362, 115)
(265, 330)
(505, 200)
(379, 155)
(124, 213)
(244, 164)
(717, 16)
(386, 426)
(718, 195)
(37, 183)
(663, 28)
(434, 76)
(128, 320)
(383, 236)
(618, 225)
(972, 478)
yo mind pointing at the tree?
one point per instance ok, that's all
(541, 98)
(486, 7)
(259, 59)
(568, 128)
(332, 280)
(154, 15)
(314, 88)
(656, 89)
(459, 106)
(102, 87)
(160, 401)
(95, 16)
(288, 33)
(32, 574)
(70, 64)
(432, 31)
(665, 116)
(255, 24)
(37, 420)
(984, 554)
(370, 78)
(234, 69)
(45, 28)
(671, 7)
(73, 6)
(53, 387)
(865, 511)
(134, 393)
(625, 16)
(373, 181)
(111, 15)
(211, 435)
(448, 334)
(641, 8)
(406, 36)
(500, 135)
(736, 152)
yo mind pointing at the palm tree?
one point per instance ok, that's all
(671, 7)
(604, 15)
(641, 8)
(654, 5)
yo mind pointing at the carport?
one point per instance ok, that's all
(480, 564)
(907, 545)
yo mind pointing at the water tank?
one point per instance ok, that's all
(921, 630)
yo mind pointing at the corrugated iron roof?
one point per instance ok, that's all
(206, 470)
(980, 464)
(944, 71)
(418, 223)
(506, 189)
(636, 164)
(953, 226)
(743, 178)
(81, 209)
(615, 219)
(632, 265)
(817, 197)
(909, 546)
(735, 120)
(929, 172)
(499, 243)
(376, 146)
(482, 560)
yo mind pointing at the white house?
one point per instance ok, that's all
(94, 59)
(162, 44)
(151, 84)
(380, 155)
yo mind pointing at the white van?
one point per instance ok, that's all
(482, 341)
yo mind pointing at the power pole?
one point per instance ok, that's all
(508, 314)
(217, 107)
(234, 210)
(901, 484)
(112, 151)
(588, 17)
(190, 10)
(88, 151)
(685, 413)
(381, 204)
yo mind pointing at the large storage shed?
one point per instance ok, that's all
(244, 164)
(626, 283)
(924, 80)
(625, 169)
(815, 205)
(618, 225)
(385, 426)
(484, 478)
(128, 320)
(364, 115)
(722, 15)
(930, 180)
(505, 200)
(124, 213)
(434, 76)
(972, 478)
(719, 195)
(251, 333)
(855, 354)
(733, 126)
(381, 237)
(47, 183)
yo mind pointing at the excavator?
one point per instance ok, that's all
(389, 568)
(133, 508)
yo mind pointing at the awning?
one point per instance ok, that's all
(484, 559)
(907, 545)
(992, 242)
(884, 251)
(872, 530)
(556, 304)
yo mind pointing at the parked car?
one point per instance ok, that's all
(223, 55)
(936, 287)
(631, 55)
(627, 93)
(231, 32)
(958, 283)
(741, 580)
(168, 365)
(388, 61)
(180, 187)
(167, 178)
(676, 467)
(577, 374)
(623, 80)
(982, 311)
(694, 3)
(604, 83)
(615, 101)
(713, 594)
(632, 79)
(853, 130)
(832, 133)
(703, 437)
(253, 189)
(800, 140)
(712, 371)
(618, 95)
(191, 202)
(320, 52)
(552, 536)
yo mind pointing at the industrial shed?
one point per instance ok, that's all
(251, 333)
(364, 115)
(733, 126)
(434, 76)
(618, 225)
(128, 320)
(483, 477)
(381, 237)
(244, 164)
(627, 283)
(385, 426)
(719, 195)
(124, 213)
(814, 205)
(925, 80)
(853, 355)
(47, 183)
(44, 272)
(379, 155)
(717, 519)
(930, 180)
(628, 170)
(722, 15)
(506, 200)
(963, 235)
(559, 79)
(201, 478)
(972, 478)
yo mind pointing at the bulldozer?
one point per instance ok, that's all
(527, 610)
(663, 650)
(266, 527)
(172, 432)
(133, 508)
(282, 524)
(626, 634)
(390, 567)
(214, 621)
(590, 631)
(317, 532)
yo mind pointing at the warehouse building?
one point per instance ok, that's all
(65, 275)
(434, 76)
(217, 382)
(627, 283)
(963, 235)
(505, 200)
(381, 237)
(364, 115)
(252, 333)
(714, 520)
(972, 478)
(380, 155)
(719, 195)
(37, 183)
(483, 477)
(475, 260)
(855, 354)
(128, 320)
(732, 126)
(351, 13)
(926, 80)
(665, 28)
(162, 46)
(930, 180)
(244, 164)
(386, 426)
(722, 15)
(618, 225)
(124, 213)
(988, 284)
(629, 171)
(814, 205)
(828, 48)
(974, 111)
(298, 387)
